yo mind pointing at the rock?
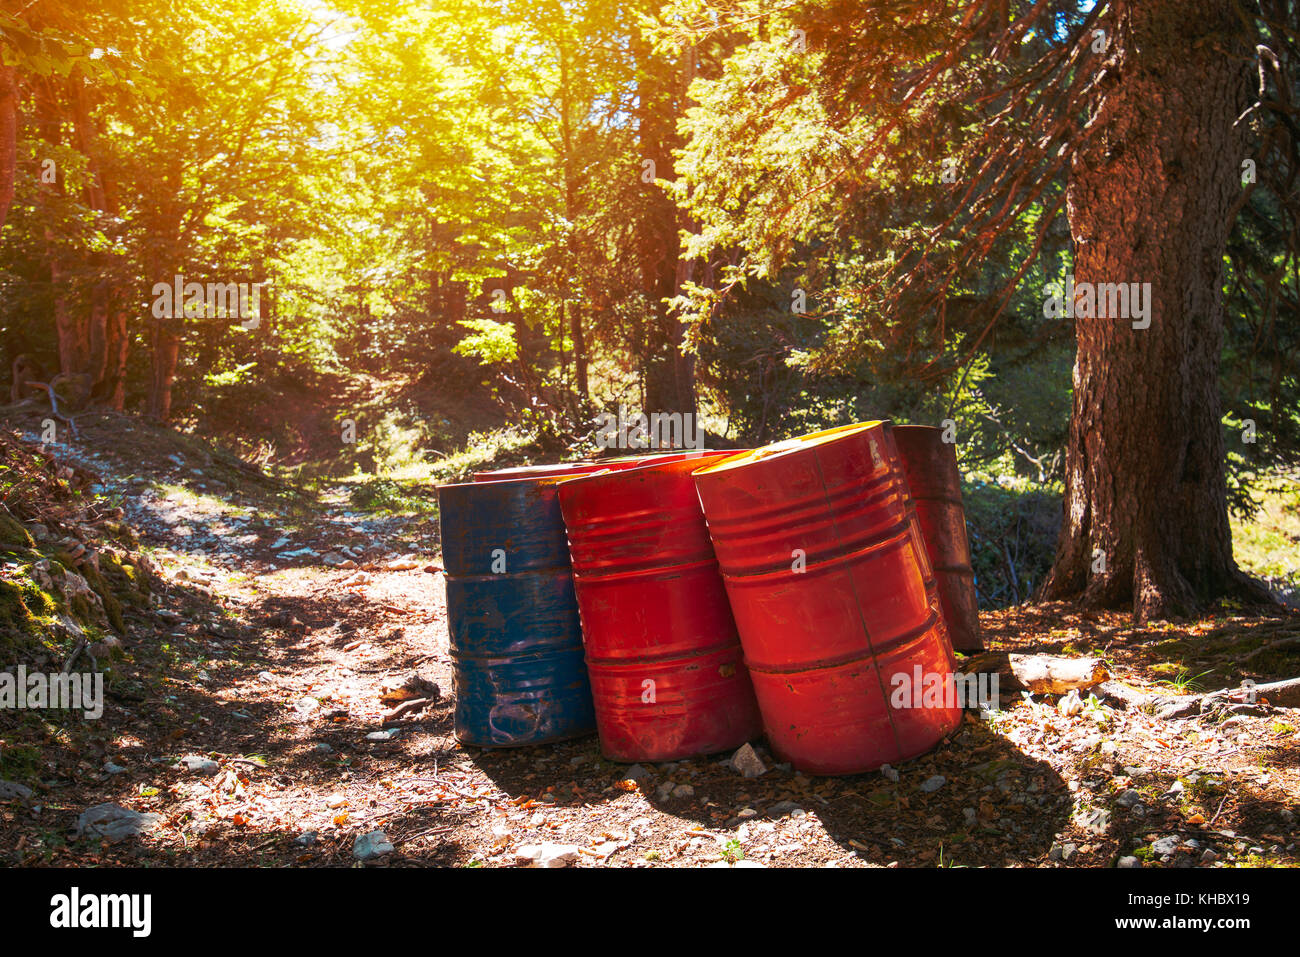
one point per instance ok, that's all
(1129, 798)
(933, 783)
(635, 773)
(333, 559)
(195, 764)
(890, 774)
(747, 762)
(1208, 856)
(306, 839)
(267, 678)
(1071, 704)
(381, 736)
(1068, 851)
(370, 846)
(1165, 846)
(782, 808)
(683, 791)
(323, 749)
(335, 801)
(114, 823)
(10, 791)
(407, 688)
(500, 835)
(1129, 862)
(547, 855)
(1094, 820)
(1109, 747)
(746, 813)
(306, 705)
(970, 814)
(111, 768)
(664, 791)
(1056, 853)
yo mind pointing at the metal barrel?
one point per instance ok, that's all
(537, 471)
(930, 468)
(665, 662)
(582, 467)
(516, 641)
(826, 574)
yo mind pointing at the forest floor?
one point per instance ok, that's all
(286, 615)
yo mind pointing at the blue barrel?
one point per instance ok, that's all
(516, 641)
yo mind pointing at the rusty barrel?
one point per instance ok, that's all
(516, 641)
(579, 467)
(827, 579)
(930, 468)
(537, 471)
(664, 659)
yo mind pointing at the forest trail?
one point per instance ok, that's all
(250, 720)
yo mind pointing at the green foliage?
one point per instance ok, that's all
(491, 342)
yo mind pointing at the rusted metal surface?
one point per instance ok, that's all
(930, 468)
(663, 655)
(537, 471)
(580, 467)
(516, 642)
(827, 577)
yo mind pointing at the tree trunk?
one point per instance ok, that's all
(669, 375)
(107, 330)
(8, 138)
(1146, 517)
(579, 352)
(166, 352)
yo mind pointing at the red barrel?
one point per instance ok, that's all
(930, 468)
(827, 577)
(582, 467)
(537, 471)
(666, 667)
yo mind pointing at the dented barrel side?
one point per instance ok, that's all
(827, 578)
(662, 650)
(930, 467)
(516, 641)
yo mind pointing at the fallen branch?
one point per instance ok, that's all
(54, 406)
(407, 707)
(1039, 674)
(1279, 694)
(1294, 639)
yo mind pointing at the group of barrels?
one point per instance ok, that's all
(683, 604)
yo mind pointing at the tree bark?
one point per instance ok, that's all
(1146, 517)
(107, 329)
(8, 138)
(669, 372)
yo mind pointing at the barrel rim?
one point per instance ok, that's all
(787, 447)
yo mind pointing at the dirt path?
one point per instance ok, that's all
(285, 619)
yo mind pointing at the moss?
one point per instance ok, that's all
(13, 537)
(112, 607)
(128, 584)
(22, 605)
